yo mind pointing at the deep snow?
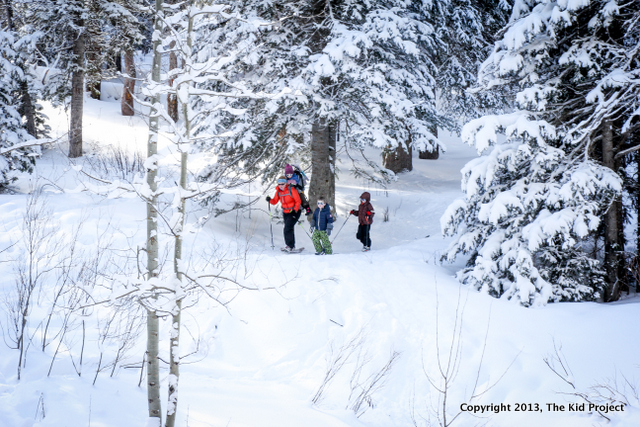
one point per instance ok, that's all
(260, 361)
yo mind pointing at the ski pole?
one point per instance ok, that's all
(271, 226)
(343, 224)
(305, 231)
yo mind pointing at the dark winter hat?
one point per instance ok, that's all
(288, 169)
(366, 196)
(282, 180)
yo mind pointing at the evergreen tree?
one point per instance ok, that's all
(535, 201)
(13, 133)
(468, 30)
(362, 68)
(72, 31)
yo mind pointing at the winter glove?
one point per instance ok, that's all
(268, 199)
(353, 212)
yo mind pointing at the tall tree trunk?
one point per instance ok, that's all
(174, 351)
(126, 103)
(637, 154)
(153, 363)
(172, 99)
(77, 97)
(323, 163)
(612, 244)
(28, 110)
(8, 14)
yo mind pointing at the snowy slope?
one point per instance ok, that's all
(260, 361)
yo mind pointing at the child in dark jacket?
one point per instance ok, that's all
(322, 219)
(365, 215)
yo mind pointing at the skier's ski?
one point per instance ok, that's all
(292, 251)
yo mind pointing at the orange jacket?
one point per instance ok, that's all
(288, 197)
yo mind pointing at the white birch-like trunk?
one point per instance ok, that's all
(153, 365)
(77, 97)
(174, 351)
(126, 103)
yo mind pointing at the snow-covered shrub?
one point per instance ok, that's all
(528, 207)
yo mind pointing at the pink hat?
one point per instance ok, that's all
(288, 169)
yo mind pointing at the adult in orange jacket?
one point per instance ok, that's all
(290, 201)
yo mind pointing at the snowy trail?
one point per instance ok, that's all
(260, 363)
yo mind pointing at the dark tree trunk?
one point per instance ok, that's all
(117, 60)
(172, 99)
(398, 159)
(323, 162)
(623, 277)
(28, 110)
(637, 215)
(8, 14)
(77, 98)
(612, 225)
(126, 103)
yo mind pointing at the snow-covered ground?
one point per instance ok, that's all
(393, 314)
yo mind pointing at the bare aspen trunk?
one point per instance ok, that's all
(323, 163)
(77, 97)
(153, 365)
(172, 99)
(126, 103)
(612, 244)
(174, 351)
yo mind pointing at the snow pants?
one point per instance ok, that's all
(290, 220)
(321, 242)
(363, 234)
